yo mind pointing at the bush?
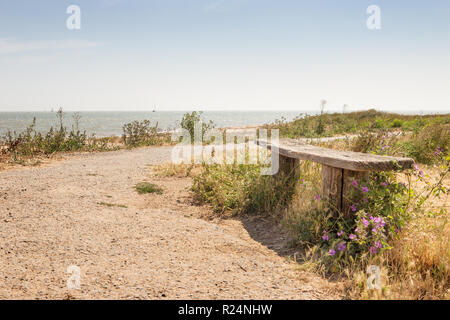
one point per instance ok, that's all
(396, 123)
(241, 189)
(189, 121)
(140, 133)
(30, 142)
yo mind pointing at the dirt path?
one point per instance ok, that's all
(146, 246)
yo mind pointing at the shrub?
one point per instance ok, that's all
(189, 121)
(396, 123)
(31, 142)
(141, 133)
(241, 189)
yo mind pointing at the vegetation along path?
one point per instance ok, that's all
(84, 211)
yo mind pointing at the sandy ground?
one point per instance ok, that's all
(83, 211)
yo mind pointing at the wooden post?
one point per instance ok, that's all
(288, 167)
(332, 186)
(337, 187)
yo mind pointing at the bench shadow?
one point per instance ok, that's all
(269, 233)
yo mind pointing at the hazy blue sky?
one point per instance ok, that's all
(225, 55)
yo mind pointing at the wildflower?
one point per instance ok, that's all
(365, 222)
(331, 252)
(356, 229)
(325, 236)
(340, 233)
(421, 173)
(384, 184)
(416, 167)
(378, 244)
(374, 230)
(365, 189)
(353, 207)
(438, 150)
(379, 222)
(364, 199)
(373, 250)
(341, 246)
(352, 237)
(384, 137)
(355, 183)
(316, 197)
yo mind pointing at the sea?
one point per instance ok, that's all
(106, 123)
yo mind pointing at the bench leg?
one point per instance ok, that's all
(337, 187)
(287, 179)
(289, 167)
(332, 186)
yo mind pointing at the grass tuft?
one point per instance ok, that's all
(147, 187)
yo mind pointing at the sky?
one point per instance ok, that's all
(243, 55)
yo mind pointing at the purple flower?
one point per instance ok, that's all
(373, 250)
(353, 207)
(379, 222)
(364, 199)
(436, 153)
(365, 189)
(355, 183)
(384, 137)
(341, 246)
(378, 245)
(352, 237)
(365, 222)
(421, 173)
(316, 197)
(356, 229)
(331, 252)
(384, 184)
(340, 233)
(374, 230)
(325, 236)
(416, 167)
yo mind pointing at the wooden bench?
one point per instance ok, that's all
(339, 168)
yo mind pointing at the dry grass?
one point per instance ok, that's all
(176, 170)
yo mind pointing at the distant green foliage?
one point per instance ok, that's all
(31, 142)
(326, 124)
(430, 144)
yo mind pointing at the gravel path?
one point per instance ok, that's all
(52, 217)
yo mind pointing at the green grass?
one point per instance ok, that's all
(147, 187)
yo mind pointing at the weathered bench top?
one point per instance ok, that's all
(355, 161)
